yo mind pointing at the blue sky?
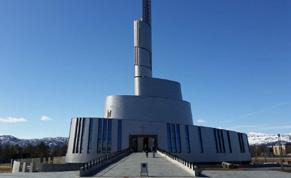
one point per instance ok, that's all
(61, 58)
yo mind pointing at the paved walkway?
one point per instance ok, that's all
(159, 167)
(247, 174)
(130, 167)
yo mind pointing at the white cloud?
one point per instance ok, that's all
(12, 120)
(45, 118)
(200, 121)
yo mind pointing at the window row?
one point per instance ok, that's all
(200, 140)
(104, 135)
(78, 136)
(241, 142)
(119, 136)
(219, 140)
(174, 138)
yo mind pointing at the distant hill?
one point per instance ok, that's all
(51, 142)
(267, 139)
(254, 139)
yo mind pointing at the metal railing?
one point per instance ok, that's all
(197, 171)
(93, 167)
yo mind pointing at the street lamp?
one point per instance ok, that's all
(280, 149)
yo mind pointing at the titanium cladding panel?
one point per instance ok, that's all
(142, 49)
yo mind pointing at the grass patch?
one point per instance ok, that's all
(5, 168)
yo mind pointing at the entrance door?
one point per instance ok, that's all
(139, 143)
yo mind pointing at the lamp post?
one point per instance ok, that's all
(280, 149)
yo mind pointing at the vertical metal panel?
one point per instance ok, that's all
(173, 130)
(241, 141)
(70, 137)
(146, 17)
(109, 136)
(178, 138)
(143, 45)
(82, 134)
(187, 138)
(99, 136)
(78, 135)
(222, 140)
(89, 145)
(170, 148)
(75, 136)
(200, 140)
(104, 136)
(119, 136)
(215, 139)
(219, 140)
(229, 142)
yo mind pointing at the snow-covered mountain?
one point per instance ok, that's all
(267, 139)
(51, 142)
(254, 139)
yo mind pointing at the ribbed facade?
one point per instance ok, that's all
(156, 115)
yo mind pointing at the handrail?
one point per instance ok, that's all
(94, 166)
(191, 166)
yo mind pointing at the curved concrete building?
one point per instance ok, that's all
(156, 115)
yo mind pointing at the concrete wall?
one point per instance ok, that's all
(41, 165)
(59, 167)
(16, 167)
(208, 154)
(81, 148)
(129, 127)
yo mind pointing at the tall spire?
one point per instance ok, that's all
(142, 47)
(146, 15)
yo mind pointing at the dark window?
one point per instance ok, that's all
(215, 139)
(104, 144)
(200, 140)
(174, 138)
(178, 138)
(109, 112)
(76, 136)
(89, 147)
(99, 136)
(222, 140)
(136, 56)
(229, 142)
(187, 139)
(109, 136)
(219, 140)
(241, 142)
(119, 136)
(169, 138)
(82, 135)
